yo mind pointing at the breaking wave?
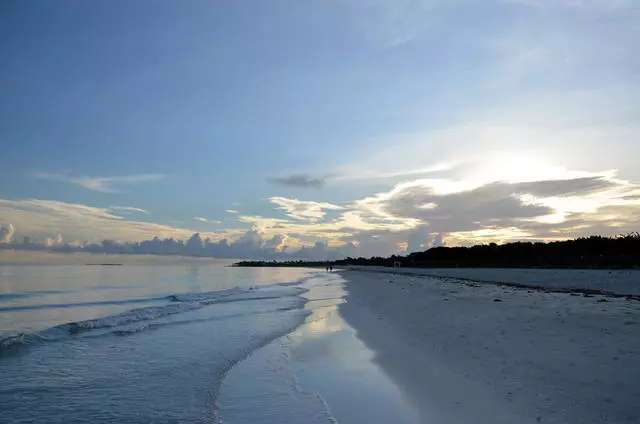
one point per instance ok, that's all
(174, 304)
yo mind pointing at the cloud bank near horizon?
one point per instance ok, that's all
(412, 215)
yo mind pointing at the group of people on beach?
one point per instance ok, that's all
(329, 268)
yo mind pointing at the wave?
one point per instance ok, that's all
(154, 326)
(176, 304)
(12, 296)
(200, 296)
(79, 304)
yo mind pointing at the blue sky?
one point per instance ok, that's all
(185, 110)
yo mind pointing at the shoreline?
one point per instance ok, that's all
(484, 353)
(318, 373)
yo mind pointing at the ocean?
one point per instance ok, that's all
(192, 343)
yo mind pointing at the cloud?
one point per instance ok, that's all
(54, 241)
(350, 221)
(411, 215)
(421, 213)
(302, 209)
(265, 224)
(277, 242)
(502, 211)
(382, 172)
(233, 211)
(571, 187)
(208, 221)
(606, 220)
(126, 209)
(41, 218)
(6, 233)
(250, 241)
(418, 239)
(463, 210)
(497, 204)
(102, 184)
(298, 180)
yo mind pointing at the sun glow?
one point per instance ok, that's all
(513, 166)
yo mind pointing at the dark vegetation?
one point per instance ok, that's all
(586, 252)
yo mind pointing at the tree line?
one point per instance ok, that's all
(585, 252)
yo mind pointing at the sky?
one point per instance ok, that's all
(388, 125)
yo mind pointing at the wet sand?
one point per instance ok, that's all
(319, 373)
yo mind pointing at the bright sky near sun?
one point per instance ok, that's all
(385, 124)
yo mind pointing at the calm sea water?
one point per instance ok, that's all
(184, 344)
(36, 297)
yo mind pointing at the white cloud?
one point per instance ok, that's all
(277, 242)
(128, 209)
(41, 218)
(303, 210)
(6, 233)
(264, 223)
(233, 211)
(357, 172)
(251, 240)
(102, 184)
(353, 219)
(54, 241)
(208, 221)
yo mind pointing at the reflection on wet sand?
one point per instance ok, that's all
(320, 372)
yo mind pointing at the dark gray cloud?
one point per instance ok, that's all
(573, 187)
(606, 221)
(463, 211)
(276, 242)
(418, 239)
(298, 180)
(632, 197)
(494, 205)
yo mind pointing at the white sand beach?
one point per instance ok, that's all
(466, 352)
